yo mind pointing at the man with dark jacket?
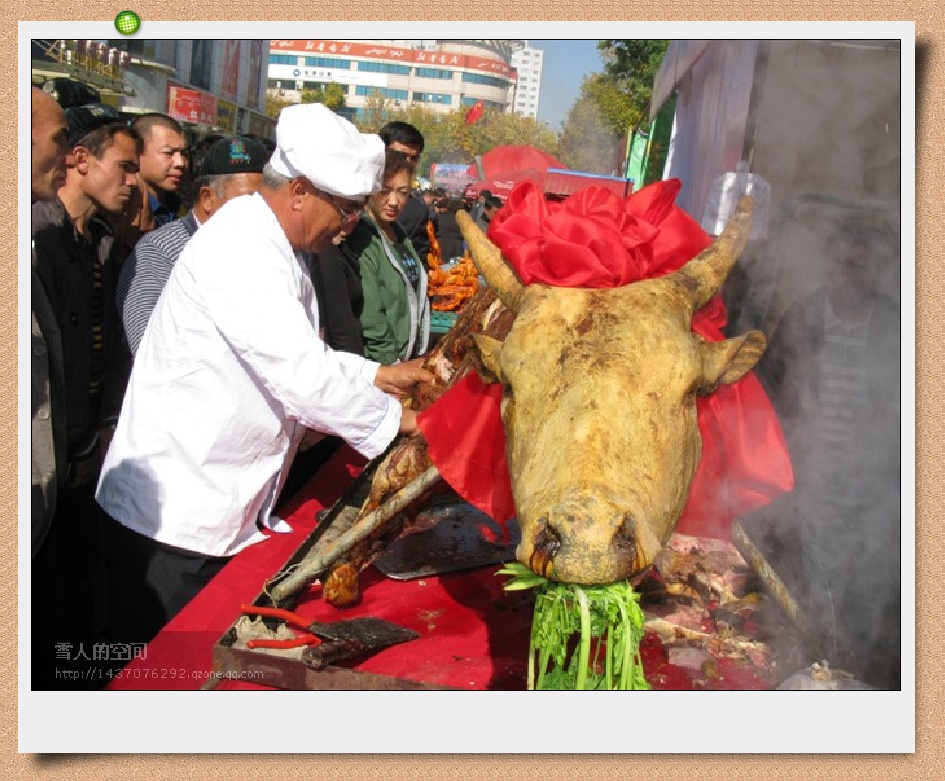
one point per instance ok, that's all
(74, 262)
(49, 141)
(50, 136)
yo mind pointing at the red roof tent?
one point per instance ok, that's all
(505, 166)
(501, 161)
(564, 182)
(554, 181)
(502, 186)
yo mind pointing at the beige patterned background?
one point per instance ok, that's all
(930, 193)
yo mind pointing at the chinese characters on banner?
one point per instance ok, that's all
(190, 105)
(369, 51)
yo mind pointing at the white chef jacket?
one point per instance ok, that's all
(229, 372)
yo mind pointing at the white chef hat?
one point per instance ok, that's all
(314, 142)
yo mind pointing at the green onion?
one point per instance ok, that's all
(567, 619)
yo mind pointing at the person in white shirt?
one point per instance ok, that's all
(231, 373)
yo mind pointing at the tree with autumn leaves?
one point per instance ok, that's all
(610, 104)
(332, 95)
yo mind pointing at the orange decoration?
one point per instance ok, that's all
(449, 289)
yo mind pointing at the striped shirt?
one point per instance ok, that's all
(837, 437)
(145, 272)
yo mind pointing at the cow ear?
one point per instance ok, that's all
(489, 350)
(727, 361)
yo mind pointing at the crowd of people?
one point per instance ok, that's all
(210, 321)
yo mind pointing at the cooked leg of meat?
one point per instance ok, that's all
(342, 553)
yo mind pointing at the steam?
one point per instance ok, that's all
(823, 129)
(839, 400)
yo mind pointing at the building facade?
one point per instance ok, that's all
(440, 75)
(527, 61)
(207, 85)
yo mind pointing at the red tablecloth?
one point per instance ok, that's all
(473, 635)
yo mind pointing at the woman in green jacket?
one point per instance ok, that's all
(392, 303)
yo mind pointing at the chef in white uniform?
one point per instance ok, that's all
(231, 372)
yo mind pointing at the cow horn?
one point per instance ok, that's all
(704, 274)
(488, 259)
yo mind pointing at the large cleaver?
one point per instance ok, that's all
(352, 637)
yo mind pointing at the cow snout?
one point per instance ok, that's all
(587, 545)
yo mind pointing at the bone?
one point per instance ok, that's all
(769, 577)
(312, 568)
(488, 259)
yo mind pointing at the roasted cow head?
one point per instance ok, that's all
(599, 406)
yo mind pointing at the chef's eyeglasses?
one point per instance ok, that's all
(352, 212)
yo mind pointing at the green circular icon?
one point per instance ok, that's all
(127, 22)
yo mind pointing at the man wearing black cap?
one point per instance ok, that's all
(231, 167)
(74, 252)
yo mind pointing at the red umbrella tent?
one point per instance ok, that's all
(501, 186)
(505, 166)
(502, 160)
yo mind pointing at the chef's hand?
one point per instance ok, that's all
(398, 380)
(417, 363)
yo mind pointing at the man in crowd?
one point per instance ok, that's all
(74, 260)
(163, 162)
(49, 136)
(428, 196)
(490, 206)
(231, 167)
(404, 137)
(231, 373)
(48, 146)
(479, 206)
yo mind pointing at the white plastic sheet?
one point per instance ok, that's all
(711, 116)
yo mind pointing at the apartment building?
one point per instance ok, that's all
(527, 62)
